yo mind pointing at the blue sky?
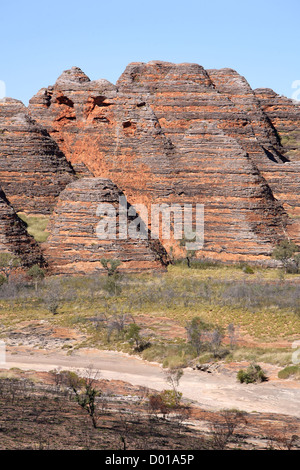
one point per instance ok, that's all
(260, 39)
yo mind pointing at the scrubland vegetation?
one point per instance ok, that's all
(202, 313)
(61, 410)
(195, 314)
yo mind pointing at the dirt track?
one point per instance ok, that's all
(213, 391)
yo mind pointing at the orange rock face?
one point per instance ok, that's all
(33, 170)
(284, 114)
(168, 134)
(77, 242)
(178, 134)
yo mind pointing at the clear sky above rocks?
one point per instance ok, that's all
(259, 39)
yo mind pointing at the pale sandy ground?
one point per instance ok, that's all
(210, 391)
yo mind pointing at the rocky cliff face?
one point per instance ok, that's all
(14, 238)
(170, 133)
(164, 134)
(74, 246)
(33, 170)
(284, 114)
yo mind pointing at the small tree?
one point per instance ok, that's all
(133, 336)
(118, 324)
(225, 426)
(3, 279)
(110, 265)
(195, 330)
(55, 295)
(232, 334)
(112, 286)
(8, 262)
(217, 337)
(85, 392)
(284, 438)
(36, 274)
(52, 302)
(189, 255)
(173, 377)
(296, 261)
(284, 252)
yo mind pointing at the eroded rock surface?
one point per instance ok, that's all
(14, 238)
(176, 133)
(33, 170)
(284, 115)
(74, 246)
(164, 134)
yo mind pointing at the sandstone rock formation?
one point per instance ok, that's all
(33, 170)
(164, 134)
(284, 115)
(170, 133)
(74, 246)
(14, 238)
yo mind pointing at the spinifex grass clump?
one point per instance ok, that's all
(289, 371)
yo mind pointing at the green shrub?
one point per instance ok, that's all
(36, 274)
(205, 357)
(175, 361)
(286, 253)
(3, 279)
(110, 265)
(248, 270)
(112, 285)
(8, 262)
(171, 398)
(289, 371)
(165, 401)
(245, 267)
(252, 374)
(135, 339)
(196, 330)
(293, 266)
